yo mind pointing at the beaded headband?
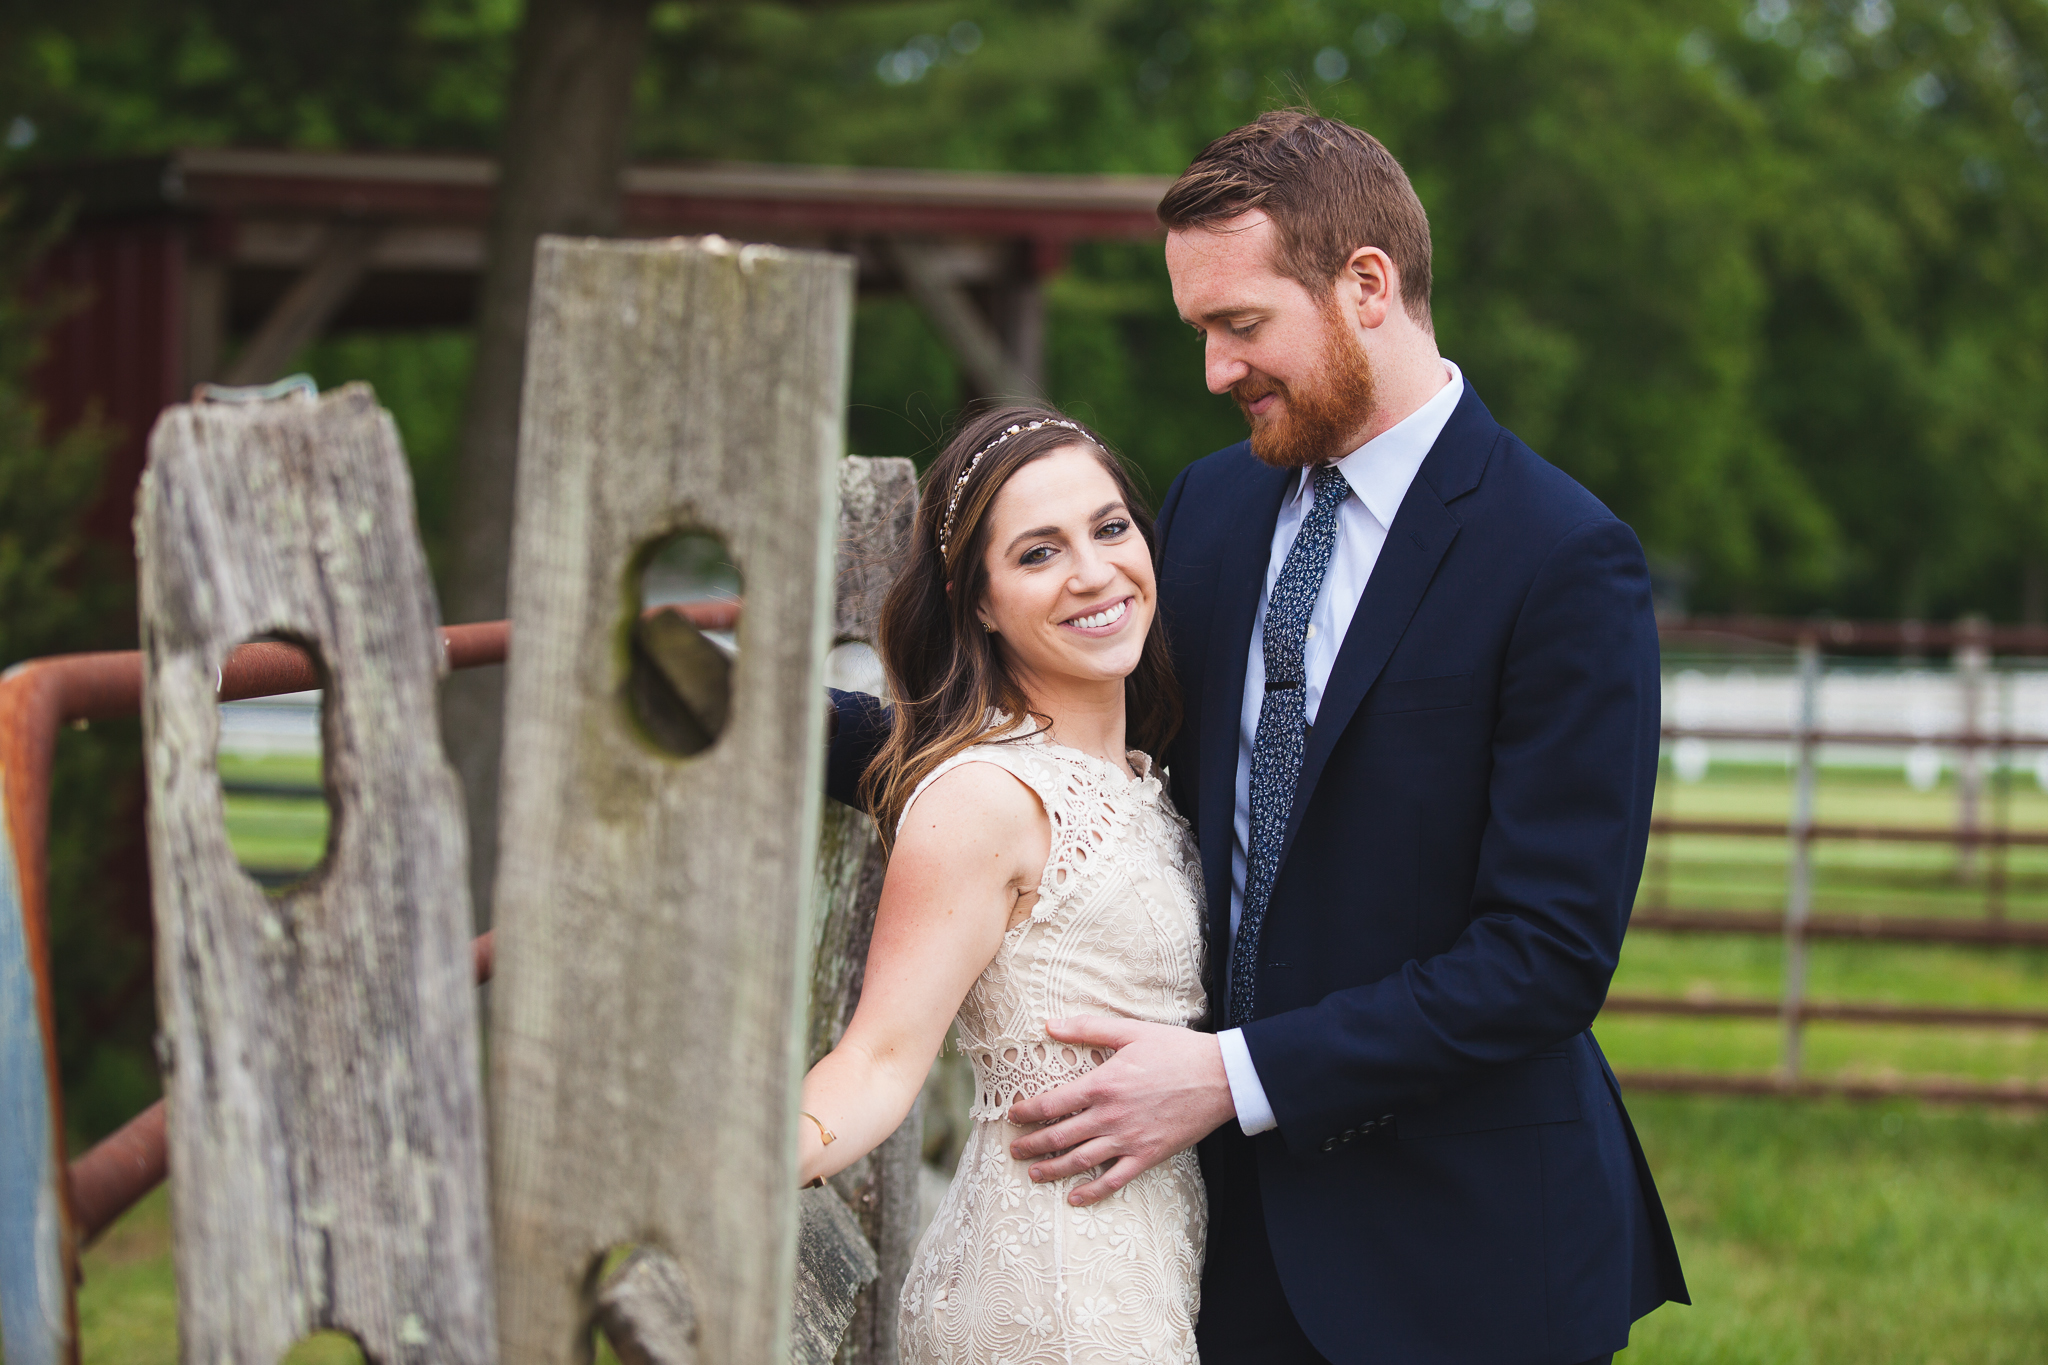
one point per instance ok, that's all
(1018, 429)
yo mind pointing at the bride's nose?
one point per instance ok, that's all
(1092, 570)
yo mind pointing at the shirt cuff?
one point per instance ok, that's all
(1247, 1096)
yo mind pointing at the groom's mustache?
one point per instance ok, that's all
(1252, 388)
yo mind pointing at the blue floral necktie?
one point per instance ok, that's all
(1283, 724)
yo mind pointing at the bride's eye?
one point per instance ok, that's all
(1037, 554)
(1111, 529)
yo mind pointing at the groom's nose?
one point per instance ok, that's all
(1221, 364)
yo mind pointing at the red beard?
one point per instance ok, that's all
(1315, 420)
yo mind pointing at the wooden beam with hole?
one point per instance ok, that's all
(654, 908)
(990, 368)
(319, 1046)
(308, 306)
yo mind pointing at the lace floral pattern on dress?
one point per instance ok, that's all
(1009, 1273)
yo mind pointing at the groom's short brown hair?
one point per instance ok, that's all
(1329, 189)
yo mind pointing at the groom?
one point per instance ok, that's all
(1421, 675)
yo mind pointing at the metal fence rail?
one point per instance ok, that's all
(1798, 923)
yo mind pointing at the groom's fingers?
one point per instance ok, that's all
(1123, 1172)
(1083, 1120)
(1071, 1098)
(1087, 1156)
(1094, 1030)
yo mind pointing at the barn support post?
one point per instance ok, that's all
(654, 909)
(985, 355)
(319, 1045)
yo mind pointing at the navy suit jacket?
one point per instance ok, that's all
(1453, 1178)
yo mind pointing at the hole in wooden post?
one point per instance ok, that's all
(324, 1348)
(640, 1308)
(681, 641)
(270, 761)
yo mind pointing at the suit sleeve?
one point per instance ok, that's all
(1574, 769)
(861, 728)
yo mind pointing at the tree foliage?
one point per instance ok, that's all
(1757, 271)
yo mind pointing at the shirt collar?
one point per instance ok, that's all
(1380, 471)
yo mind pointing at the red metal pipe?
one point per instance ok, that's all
(37, 698)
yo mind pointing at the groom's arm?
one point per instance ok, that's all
(859, 727)
(1574, 771)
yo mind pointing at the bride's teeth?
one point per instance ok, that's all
(1100, 618)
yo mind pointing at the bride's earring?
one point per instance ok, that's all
(986, 626)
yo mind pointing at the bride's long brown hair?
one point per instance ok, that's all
(946, 676)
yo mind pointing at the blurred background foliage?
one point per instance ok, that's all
(1763, 275)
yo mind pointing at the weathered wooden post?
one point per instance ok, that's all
(878, 502)
(319, 1047)
(654, 909)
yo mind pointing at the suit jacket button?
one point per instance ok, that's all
(1329, 1144)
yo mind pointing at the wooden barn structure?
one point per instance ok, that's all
(220, 264)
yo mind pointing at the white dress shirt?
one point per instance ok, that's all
(1379, 473)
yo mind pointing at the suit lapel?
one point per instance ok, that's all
(1240, 581)
(1422, 533)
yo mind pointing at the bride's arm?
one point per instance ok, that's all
(973, 847)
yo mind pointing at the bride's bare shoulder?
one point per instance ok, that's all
(972, 809)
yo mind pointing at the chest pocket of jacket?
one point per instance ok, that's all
(1419, 694)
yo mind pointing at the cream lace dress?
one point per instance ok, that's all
(1009, 1273)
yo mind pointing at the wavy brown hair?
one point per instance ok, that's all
(945, 674)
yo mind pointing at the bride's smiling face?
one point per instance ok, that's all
(1070, 588)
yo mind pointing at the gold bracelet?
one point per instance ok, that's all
(826, 1136)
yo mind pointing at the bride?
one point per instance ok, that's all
(1037, 870)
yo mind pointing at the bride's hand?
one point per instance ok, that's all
(1164, 1090)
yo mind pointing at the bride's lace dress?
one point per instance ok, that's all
(1009, 1273)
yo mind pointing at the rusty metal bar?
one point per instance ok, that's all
(1866, 737)
(1843, 1012)
(2018, 1094)
(1911, 834)
(1865, 928)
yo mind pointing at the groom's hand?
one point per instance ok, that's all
(1164, 1090)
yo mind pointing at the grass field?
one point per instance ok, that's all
(1811, 1233)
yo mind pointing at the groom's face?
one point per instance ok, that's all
(1291, 360)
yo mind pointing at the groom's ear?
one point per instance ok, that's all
(1369, 286)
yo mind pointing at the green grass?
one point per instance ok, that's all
(1811, 1233)
(1824, 1234)
(273, 834)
